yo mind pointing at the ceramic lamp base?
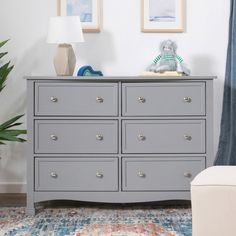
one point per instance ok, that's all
(64, 60)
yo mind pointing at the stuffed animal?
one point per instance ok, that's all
(168, 60)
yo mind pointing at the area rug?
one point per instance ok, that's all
(94, 221)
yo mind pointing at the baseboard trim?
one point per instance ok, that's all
(14, 187)
(12, 199)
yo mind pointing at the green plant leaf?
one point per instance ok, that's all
(15, 124)
(7, 134)
(2, 54)
(1, 88)
(13, 132)
(9, 137)
(4, 71)
(12, 135)
(3, 42)
(16, 139)
(10, 122)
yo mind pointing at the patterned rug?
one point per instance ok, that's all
(93, 221)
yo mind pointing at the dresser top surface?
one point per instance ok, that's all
(120, 78)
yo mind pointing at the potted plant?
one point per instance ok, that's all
(7, 133)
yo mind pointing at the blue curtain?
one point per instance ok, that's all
(226, 154)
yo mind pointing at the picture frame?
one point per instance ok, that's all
(166, 16)
(88, 10)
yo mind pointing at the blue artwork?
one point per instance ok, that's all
(82, 8)
(162, 10)
(88, 71)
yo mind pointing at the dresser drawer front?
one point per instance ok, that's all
(76, 174)
(163, 99)
(76, 136)
(160, 174)
(163, 136)
(76, 99)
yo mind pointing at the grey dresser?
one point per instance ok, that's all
(117, 139)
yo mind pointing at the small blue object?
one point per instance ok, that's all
(88, 71)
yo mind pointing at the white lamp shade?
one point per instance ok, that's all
(65, 30)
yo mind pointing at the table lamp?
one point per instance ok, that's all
(64, 31)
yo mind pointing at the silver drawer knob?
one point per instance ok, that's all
(54, 99)
(141, 137)
(187, 175)
(99, 99)
(141, 174)
(99, 175)
(188, 137)
(188, 99)
(53, 175)
(142, 100)
(53, 137)
(99, 137)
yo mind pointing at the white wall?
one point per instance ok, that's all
(120, 49)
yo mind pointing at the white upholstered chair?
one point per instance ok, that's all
(213, 196)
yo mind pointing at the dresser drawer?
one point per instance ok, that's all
(76, 174)
(76, 136)
(160, 174)
(76, 99)
(163, 136)
(163, 99)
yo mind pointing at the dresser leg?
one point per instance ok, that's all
(30, 211)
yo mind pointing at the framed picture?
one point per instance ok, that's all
(162, 15)
(88, 10)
